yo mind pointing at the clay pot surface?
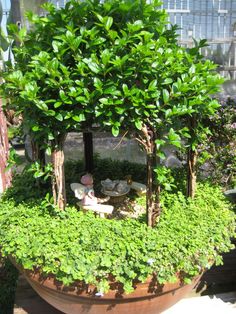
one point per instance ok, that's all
(147, 298)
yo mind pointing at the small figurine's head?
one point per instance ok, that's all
(87, 179)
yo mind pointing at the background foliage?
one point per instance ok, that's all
(221, 144)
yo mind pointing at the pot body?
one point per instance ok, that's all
(147, 298)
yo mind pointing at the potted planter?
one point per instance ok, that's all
(231, 194)
(148, 297)
(117, 66)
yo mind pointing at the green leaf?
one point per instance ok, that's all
(94, 67)
(41, 105)
(50, 136)
(79, 118)
(192, 69)
(161, 155)
(125, 90)
(50, 113)
(153, 85)
(62, 95)
(115, 131)
(159, 143)
(57, 104)
(166, 95)
(167, 81)
(101, 19)
(59, 117)
(106, 56)
(38, 174)
(174, 138)
(56, 45)
(138, 124)
(104, 101)
(108, 23)
(48, 151)
(35, 128)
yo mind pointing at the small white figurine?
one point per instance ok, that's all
(89, 201)
(89, 197)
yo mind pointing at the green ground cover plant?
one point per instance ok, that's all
(75, 246)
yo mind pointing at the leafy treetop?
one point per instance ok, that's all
(115, 63)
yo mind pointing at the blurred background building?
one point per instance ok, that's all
(214, 20)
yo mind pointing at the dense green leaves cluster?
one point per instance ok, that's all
(115, 63)
(72, 65)
(75, 246)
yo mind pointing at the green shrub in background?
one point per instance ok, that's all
(221, 144)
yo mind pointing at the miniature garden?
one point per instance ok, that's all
(100, 228)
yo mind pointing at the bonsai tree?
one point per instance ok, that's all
(116, 64)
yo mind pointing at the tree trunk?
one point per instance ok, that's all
(88, 151)
(192, 161)
(153, 204)
(153, 189)
(58, 178)
(147, 138)
(38, 154)
(157, 187)
(192, 173)
(5, 176)
(149, 194)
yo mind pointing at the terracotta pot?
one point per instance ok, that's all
(147, 298)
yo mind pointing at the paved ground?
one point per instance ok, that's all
(217, 304)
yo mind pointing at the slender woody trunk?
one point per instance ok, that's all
(153, 208)
(192, 162)
(88, 151)
(149, 193)
(38, 154)
(58, 178)
(192, 173)
(5, 176)
(33, 151)
(157, 191)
